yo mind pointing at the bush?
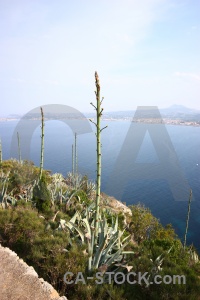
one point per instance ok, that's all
(142, 224)
(21, 174)
(23, 231)
(19, 227)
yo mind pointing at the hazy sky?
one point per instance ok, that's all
(147, 52)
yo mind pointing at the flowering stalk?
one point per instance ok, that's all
(187, 221)
(99, 111)
(0, 152)
(19, 148)
(42, 144)
(72, 159)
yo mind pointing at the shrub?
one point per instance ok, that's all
(142, 223)
(21, 174)
(19, 227)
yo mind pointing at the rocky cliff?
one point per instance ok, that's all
(18, 281)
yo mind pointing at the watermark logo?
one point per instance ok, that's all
(121, 278)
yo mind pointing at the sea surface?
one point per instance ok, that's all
(121, 179)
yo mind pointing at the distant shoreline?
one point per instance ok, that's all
(165, 121)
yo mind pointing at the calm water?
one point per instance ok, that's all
(155, 194)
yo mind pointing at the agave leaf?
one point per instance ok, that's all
(128, 252)
(71, 225)
(105, 256)
(116, 224)
(87, 213)
(123, 241)
(88, 236)
(62, 224)
(103, 230)
(170, 249)
(87, 227)
(116, 255)
(91, 207)
(65, 250)
(159, 259)
(92, 241)
(195, 256)
(99, 252)
(73, 220)
(90, 248)
(113, 240)
(126, 238)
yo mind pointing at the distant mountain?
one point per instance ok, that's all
(181, 112)
(14, 116)
(173, 110)
(179, 109)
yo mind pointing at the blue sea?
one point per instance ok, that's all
(154, 192)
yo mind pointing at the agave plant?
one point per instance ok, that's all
(10, 201)
(6, 199)
(157, 265)
(193, 255)
(91, 186)
(57, 188)
(4, 178)
(29, 191)
(74, 180)
(60, 192)
(109, 251)
(78, 182)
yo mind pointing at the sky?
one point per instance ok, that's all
(147, 53)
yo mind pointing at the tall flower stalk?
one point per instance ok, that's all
(105, 243)
(72, 159)
(42, 144)
(0, 152)
(19, 147)
(75, 161)
(75, 154)
(187, 220)
(99, 111)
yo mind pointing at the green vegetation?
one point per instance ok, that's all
(60, 225)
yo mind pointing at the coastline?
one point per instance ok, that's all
(165, 121)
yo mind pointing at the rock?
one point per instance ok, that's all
(115, 205)
(19, 281)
